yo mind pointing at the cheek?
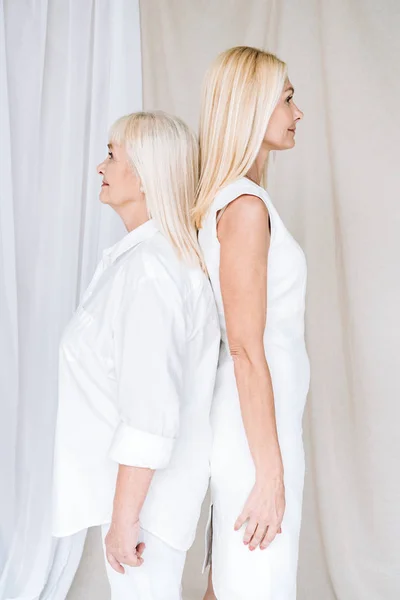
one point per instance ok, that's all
(131, 184)
(274, 133)
(118, 180)
(112, 193)
(122, 187)
(277, 135)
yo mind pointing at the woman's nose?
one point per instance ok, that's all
(100, 168)
(299, 114)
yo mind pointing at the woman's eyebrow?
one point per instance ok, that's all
(290, 89)
(110, 146)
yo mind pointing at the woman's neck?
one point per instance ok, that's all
(257, 169)
(132, 218)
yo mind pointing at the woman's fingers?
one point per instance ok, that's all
(258, 536)
(242, 518)
(134, 560)
(115, 564)
(250, 530)
(138, 562)
(130, 560)
(140, 548)
(269, 537)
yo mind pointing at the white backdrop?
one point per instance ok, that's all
(68, 68)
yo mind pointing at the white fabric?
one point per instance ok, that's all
(68, 68)
(158, 578)
(239, 574)
(137, 369)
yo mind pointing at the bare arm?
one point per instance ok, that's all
(244, 237)
(122, 538)
(130, 492)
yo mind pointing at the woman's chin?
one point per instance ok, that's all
(103, 197)
(289, 144)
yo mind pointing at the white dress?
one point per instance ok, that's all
(270, 574)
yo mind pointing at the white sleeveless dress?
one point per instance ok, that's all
(238, 573)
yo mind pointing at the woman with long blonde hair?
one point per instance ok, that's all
(137, 369)
(258, 274)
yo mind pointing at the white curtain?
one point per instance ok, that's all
(68, 68)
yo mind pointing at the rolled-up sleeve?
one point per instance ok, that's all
(150, 341)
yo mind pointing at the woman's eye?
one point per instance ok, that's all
(110, 154)
(288, 99)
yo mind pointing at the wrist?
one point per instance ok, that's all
(269, 469)
(124, 516)
(265, 475)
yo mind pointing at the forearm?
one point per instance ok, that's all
(258, 411)
(130, 492)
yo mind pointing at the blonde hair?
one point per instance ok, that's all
(240, 92)
(163, 152)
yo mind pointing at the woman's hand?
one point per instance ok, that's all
(122, 545)
(264, 512)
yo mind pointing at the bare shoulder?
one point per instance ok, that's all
(246, 215)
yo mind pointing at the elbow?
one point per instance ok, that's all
(239, 353)
(247, 355)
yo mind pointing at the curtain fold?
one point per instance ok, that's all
(68, 69)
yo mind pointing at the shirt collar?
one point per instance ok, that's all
(130, 240)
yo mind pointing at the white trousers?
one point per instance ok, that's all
(159, 577)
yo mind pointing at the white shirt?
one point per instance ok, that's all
(136, 376)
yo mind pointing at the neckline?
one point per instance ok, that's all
(132, 239)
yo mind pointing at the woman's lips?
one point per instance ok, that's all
(104, 184)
